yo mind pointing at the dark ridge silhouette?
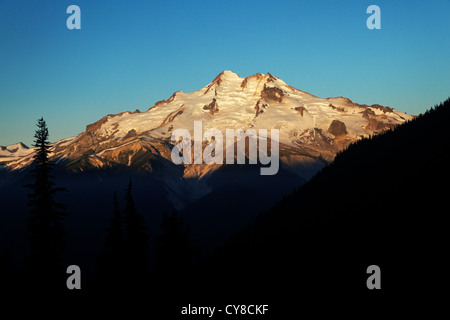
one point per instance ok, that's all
(380, 202)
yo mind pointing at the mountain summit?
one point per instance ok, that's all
(216, 199)
(311, 128)
(13, 152)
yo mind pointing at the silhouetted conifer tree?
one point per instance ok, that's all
(175, 253)
(114, 238)
(111, 261)
(45, 222)
(136, 241)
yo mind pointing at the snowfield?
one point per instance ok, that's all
(311, 126)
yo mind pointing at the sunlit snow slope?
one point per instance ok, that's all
(312, 129)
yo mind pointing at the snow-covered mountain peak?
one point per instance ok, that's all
(17, 147)
(314, 127)
(228, 75)
(14, 152)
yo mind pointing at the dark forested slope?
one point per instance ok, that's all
(383, 201)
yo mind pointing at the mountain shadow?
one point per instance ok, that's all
(380, 202)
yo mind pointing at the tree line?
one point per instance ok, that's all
(123, 263)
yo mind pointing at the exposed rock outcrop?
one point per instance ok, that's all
(337, 128)
(212, 107)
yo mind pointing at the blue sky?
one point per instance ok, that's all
(130, 54)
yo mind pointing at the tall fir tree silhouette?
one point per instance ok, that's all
(114, 239)
(136, 242)
(45, 222)
(111, 261)
(175, 253)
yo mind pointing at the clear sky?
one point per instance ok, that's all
(130, 54)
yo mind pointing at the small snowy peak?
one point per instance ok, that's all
(229, 75)
(15, 153)
(257, 82)
(252, 81)
(224, 79)
(224, 76)
(16, 147)
(15, 150)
